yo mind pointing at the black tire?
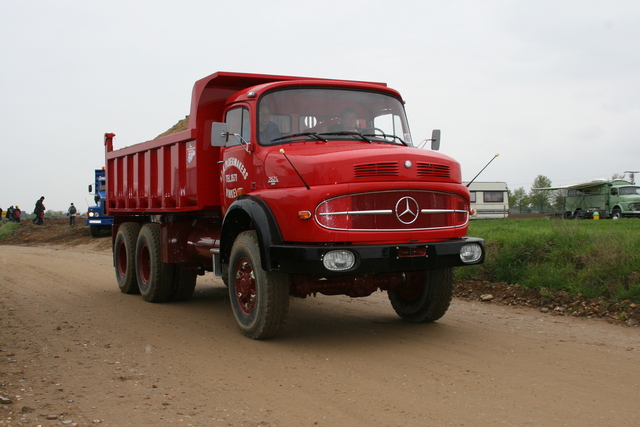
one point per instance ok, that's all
(95, 230)
(424, 300)
(259, 299)
(154, 276)
(225, 275)
(184, 283)
(616, 213)
(124, 257)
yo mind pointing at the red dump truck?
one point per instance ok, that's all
(288, 187)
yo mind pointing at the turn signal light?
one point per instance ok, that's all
(304, 215)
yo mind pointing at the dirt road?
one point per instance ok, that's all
(77, 351)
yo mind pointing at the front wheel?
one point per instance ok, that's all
(616, 213)
(95, 230)
(259, 299)
(424, 298)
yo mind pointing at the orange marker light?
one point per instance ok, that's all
(304, 215)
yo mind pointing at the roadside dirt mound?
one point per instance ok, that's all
(58, 232)
(54, 232)
(550, 301)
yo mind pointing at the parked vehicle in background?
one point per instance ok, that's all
(277, 193)
(610, 199)
(98, 221)
(489, 200)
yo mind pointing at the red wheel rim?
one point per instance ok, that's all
(122, 259)
(144, 264)
(245, 286)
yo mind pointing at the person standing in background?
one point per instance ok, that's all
(16, 214)
(9, 213)
(72, 214)
(39, 212)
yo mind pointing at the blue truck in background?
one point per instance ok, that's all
(98, 221)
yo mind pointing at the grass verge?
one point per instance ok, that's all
(7, 228)
(589, 258)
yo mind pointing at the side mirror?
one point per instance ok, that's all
(435, 140)
(218, 134)
(90, 188)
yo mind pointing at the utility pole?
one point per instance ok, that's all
(632, 175)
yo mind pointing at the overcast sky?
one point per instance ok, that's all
(553, 86)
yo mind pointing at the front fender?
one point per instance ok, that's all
(250, 213)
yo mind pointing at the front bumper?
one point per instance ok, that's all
(100, 221)
(372, 259)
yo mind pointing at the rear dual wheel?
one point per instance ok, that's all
(154, 276)
(140, 270)
(124, 257)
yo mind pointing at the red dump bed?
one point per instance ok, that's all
(172, 173)
(178, 172)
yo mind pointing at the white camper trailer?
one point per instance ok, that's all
(489, 200)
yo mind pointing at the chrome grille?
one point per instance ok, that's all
(400, 210)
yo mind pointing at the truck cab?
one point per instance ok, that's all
(98, 221)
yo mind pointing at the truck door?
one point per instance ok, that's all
(237, 167)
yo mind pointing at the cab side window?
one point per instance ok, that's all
(238, 123)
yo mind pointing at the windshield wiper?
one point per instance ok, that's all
(376, 136)
(295, 135)
(364, 138)
(386, 136)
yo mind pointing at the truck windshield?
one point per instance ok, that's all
(325, 114)
(628, 191)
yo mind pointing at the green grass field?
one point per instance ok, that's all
(6, 228)
(588, 257)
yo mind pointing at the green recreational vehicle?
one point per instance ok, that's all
(611, 199)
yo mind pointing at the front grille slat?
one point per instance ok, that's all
(423, 170)
(368, 170)
(433, 170)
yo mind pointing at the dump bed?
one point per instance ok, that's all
(178, 172)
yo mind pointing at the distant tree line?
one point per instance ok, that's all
(537, 201)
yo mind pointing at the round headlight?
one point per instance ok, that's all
(339, 260)
(470, 253)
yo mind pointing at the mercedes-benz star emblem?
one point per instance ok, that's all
(407, 210)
